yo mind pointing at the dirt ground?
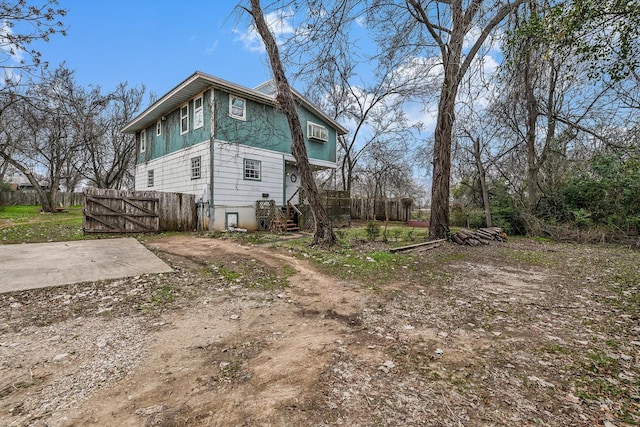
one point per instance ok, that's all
(508, 334)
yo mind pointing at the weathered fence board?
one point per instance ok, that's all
(369, 209)
(120, 211)
(178, 212)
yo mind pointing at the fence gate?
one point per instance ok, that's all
(120, 211)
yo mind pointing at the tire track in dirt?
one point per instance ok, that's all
(235, 360)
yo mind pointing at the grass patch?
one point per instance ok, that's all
(255, 275)
(163, 294)
(370, 263)
(344, 261)
(26, 224)
(599, 380)
(555, 349)
(229, 275)
(537, 258)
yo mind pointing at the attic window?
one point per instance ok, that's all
(143, 140)
(237, 108)
(184, 119)
(158, 128)
(317, 132)
(198, 116)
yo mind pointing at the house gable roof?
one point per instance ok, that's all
(199, 82)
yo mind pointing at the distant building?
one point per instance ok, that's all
(17, 181)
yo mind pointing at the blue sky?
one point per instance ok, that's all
(157, 43)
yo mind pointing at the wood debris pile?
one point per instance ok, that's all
(482, 236)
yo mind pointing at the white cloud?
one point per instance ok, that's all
(10, 49)
(493, 43)
(279, 23)
(211, 49)
(421, 113)
(476, 90)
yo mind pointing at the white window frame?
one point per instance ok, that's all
(184, 119)
(244, 108)
(159, 128)
(196, 167)
(150, 178)
(254, 167)
(143, 140)
(316, 131)
(198, 112)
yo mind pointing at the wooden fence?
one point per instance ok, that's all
(30, 198)
(342, 209)
(120, 211)
(368, 209)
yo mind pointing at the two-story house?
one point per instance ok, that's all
(228, 145)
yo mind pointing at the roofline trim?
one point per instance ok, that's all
(218, 83)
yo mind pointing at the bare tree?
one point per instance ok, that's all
(41, 19)
(386, 172)
(323, 235)
(547, 101)
(329, 60)
(110, 154)
(38, 133)
(16, 56)
(449, 24)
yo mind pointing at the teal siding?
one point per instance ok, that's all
(315, 149)
(265, 128)
(171, 140)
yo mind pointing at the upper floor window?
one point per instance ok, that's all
(184, 119)
(237, 108)
(143, 140)
(252, 169)
(196, 170)
(198, 114)
(317, 132)
(158, 128)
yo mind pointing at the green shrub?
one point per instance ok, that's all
(373, 231)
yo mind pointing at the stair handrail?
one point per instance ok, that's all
(295, 208)
(291, 204)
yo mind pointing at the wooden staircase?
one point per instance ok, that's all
(284, 225)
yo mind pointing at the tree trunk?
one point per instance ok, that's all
(483, 181)
(323, 234)
(44, 198)
(440, 190)
(532, 117)
(461, 21)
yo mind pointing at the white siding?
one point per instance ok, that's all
(234, 194)
(231, 189)
(291, 186)
(172, 173)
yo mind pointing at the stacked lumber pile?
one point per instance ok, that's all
(483, 236)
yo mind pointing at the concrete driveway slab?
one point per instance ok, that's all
(39, 265)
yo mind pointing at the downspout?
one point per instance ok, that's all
(284, 182)
(211, 153)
